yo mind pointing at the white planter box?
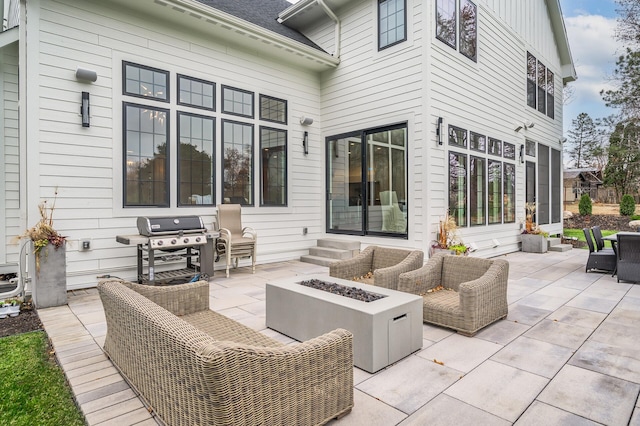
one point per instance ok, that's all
(534, 243)
(384, 331)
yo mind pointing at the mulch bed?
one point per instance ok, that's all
(606, 222)
(28, 320)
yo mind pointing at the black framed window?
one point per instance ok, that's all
(146, 156)
(273, 109)
(145, 82)
(392, 28)
(237, 102)
(531, 80)
(477, 190)
(542, 87)
(446, 21)
(495, 147)
(196, 93)
(509, 151)
(530, 148)
(550, 95)
(509, 193)
(458, 187)
(468, 29)
(273, 167)
(457, 136)
(494, 202)
(237, 163)
(196, 174)
(477, 142)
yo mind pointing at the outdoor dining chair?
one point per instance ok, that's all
(629, 257)
(235, 241)
(600, 260)
(597, 236)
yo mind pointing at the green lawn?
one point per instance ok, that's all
(580, 235)
(33, 390)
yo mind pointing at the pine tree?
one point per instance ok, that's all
(583, 147)
(623, 168)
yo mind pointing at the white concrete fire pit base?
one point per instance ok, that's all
(384, 331)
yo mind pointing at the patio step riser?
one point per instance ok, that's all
(331, 253)
(560, 247)
(316, 260)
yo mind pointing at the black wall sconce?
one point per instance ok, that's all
(305, 143)
(439, 130)
(84, 110)
(521, 154)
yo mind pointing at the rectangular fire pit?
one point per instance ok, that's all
(384, 331)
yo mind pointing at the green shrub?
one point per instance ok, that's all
(635, 217)
(585, 208)
(627, 205)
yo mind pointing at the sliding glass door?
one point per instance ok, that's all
(367, 182)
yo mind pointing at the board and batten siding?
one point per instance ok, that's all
(488, 97)
(84, 164)
(9, 153)
(374, 88)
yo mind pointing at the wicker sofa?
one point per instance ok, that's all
(194, 366)
(473, 294)
(386, 263)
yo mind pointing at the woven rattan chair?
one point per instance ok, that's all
(235, 241)
(385, 263)
(473, 293)
(604, 260)
(202, 368)
(629, 257)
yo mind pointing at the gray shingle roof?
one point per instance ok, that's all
(263, 13)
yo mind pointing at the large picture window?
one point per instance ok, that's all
(392, 28)
(540, 87)
(146, 138)
(458, 188)
(237, 163)
(273, 167)
(446, 21)
(468, 29)
(196, 160)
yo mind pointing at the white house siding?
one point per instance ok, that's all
(9, 155)
(374, 88)
(488, 97)
(84, 163)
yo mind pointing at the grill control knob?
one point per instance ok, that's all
(160, 242)
(198, 239)
(186, 241)
(174, 241)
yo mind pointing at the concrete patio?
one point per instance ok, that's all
(566, 354)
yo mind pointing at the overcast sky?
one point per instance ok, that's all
(590, 28)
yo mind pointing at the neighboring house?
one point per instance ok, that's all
(414, 109)
(582, 181)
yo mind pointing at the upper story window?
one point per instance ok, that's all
(196, 93)
(478, 142)
(273, 109)
(237, 101)
(457, 136)
(457, 26)
(145, 82)
(540, 87)
(392, 27)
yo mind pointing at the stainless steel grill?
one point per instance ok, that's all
(165, 242)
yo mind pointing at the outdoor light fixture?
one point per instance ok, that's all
(528, 124)
(305, 143)
(306, 121)
(521, 154)
(84, 109)
(439, 130)
(86, 74)
(518, 127)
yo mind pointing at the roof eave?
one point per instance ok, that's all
(568, 68)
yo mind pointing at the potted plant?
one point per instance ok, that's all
(4, 309)
(447, 238)
(534, 239)
(48, 260)
(13, 306)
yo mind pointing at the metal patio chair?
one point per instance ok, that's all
(235, 241)
(597, 236)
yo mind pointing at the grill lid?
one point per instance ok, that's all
(166, 225)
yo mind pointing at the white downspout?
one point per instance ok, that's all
(338, 30)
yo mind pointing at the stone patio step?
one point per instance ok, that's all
(332, 253)
(317, 260)
(560, 247)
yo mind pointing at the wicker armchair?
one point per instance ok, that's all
(203, 368)
(235, 241)
(386, 264)
(474, 294)
(628, 257)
